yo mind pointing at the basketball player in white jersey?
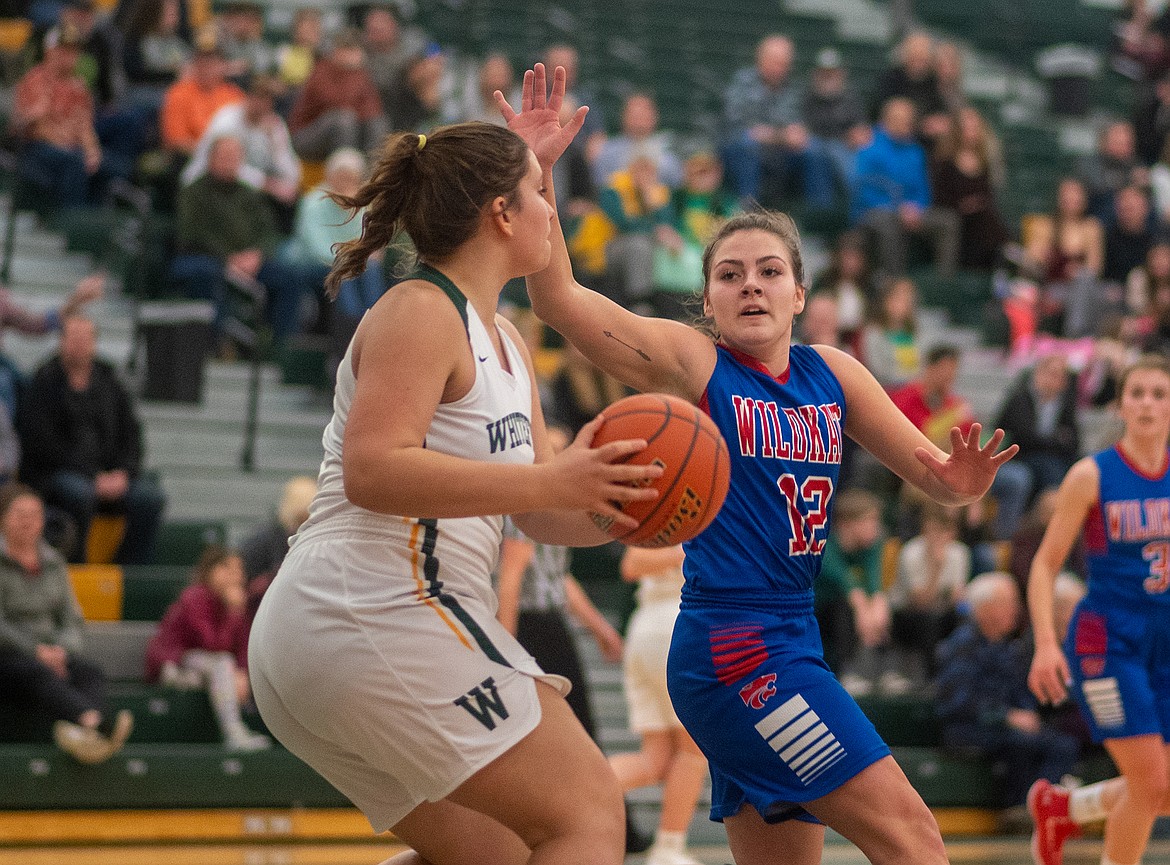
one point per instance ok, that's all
(376, 655)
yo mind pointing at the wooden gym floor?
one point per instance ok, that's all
(993, 851)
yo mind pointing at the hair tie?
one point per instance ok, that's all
(422, 141)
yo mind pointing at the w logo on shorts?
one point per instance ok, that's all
(485, 706)
(801, 739)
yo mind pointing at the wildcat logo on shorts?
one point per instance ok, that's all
(756, 692)
(485, 706)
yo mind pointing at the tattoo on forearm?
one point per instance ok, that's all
(641, 354)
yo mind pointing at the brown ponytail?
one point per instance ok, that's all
(434, 189)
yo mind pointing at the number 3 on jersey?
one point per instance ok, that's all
(807, 522)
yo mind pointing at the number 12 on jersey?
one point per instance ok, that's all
(808, 511)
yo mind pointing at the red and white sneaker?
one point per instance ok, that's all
(1048, 805)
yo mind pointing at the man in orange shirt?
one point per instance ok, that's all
(53, 116)
(191, 102)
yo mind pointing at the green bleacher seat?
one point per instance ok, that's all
(147, 590)
(180, 542)
(161, 776)
(907, 720)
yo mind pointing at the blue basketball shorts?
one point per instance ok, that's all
(777, 728)
(1120, 663)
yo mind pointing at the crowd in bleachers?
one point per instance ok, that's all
(238, 135)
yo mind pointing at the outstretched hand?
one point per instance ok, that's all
(969, 469)
(539, 119)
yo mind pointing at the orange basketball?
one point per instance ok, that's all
(696, 467)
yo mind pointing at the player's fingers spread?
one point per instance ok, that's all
(558, 89)
(539, 87)
(928, 459)
(993, 442)
(526, 90)
(1004, 455)
(504, 108)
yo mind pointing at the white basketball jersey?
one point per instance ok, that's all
(490, 423)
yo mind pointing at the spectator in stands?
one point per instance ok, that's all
(52, 115)
(241, 36)
(419, 104)
(930, 586)
(966, 175)
(1160, 182)
(930, 400)
(914, 79)
(766, 146)
(389, 47)
(31, 322)
(634, 200)
(893, 200)
(295, 59)
(157, 49)
(934, 407)
(1113, 166)
(1067, 250)
(42, 669)
(1151, 122)
(1147, 294)
(848, 279)
(226, 228)
(320, 223)
(476, 101)
(983, 698)
(202, 642)
(1129, 234)
(82, 444)
(339, 105)
(852, 610)
(640, 136)
(264, 549)
(270, 163)
(580, 391)
(820, 321)
(667, 755)
(101, 53)
(1039, 413)
(948, 76)
(190, 103)
(1026, 541)
(691, 219)
(838, 128)
(889, 341)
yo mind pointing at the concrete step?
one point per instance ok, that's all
(241, 499)
(170, 449)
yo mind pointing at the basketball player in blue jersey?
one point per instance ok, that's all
(1115, 659)
(376, 655)
(789, 749)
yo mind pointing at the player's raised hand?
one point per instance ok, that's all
(969, 469)
(538, 122)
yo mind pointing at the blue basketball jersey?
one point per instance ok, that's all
(785, 436)
(1127, 535)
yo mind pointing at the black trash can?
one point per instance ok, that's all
(177, 335)
(1070, 71)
